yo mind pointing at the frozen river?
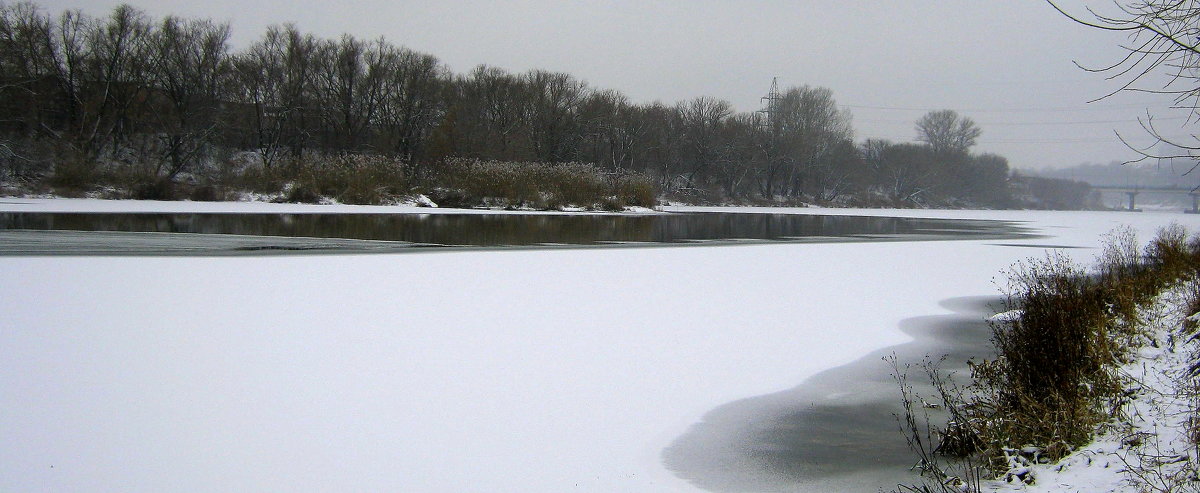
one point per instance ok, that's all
(610, 369)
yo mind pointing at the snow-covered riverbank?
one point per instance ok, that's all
(1149, 445)
(16, 204)
(463, 371)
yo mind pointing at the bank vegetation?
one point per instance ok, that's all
(131, 106)
(1061, 371)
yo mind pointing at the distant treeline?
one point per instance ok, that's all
(155, 105)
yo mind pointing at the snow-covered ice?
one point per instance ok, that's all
(513, 370)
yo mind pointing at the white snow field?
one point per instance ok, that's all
(489, 371)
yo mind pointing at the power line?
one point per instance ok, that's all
(1082, 140)
(1008, 110)
(1023, 124)
(1094, 140)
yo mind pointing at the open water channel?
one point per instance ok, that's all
(233, 234)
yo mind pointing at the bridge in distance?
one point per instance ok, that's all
(1133, 191)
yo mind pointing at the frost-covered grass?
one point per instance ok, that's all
(542, 185)
(552, 370)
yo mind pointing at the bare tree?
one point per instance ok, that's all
(414, 101)
(120, 61)
(743, 152)
(662, 152)
(836, 172)
(490, 110)
(947, 131)
(703, 118)
(907, 172)
(608, 132)
(26, 50)
(805, 125)
(189, 70)
(350, 88)
(276, 76)
(553, 113)
(167, 95)
(71, 54)
(1162, 43)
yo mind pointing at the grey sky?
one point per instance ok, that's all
(1006, 64)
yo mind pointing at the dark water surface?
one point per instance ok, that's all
(838, 430)
(281, 233)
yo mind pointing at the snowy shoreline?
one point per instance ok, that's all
(84, 205)
(1150, 448)
(17, 204)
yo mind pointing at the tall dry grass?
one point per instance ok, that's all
(1054, 379)
(545, 185)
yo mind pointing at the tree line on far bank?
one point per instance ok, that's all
(156, 108)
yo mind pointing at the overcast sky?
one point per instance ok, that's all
(1006, 64)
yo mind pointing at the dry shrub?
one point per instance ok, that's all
(244, 174)
(206, 193)
(1053, 362)
(1120, 256)
(1193, 303)
(348, 178)
(153, 189)
(352, 178)
(73, 174)
(355, 178)
(1054, 379)
(545, 185)
(945, 457)
(636, 190)
(1170, 248)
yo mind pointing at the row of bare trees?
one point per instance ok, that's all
(170, 97)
